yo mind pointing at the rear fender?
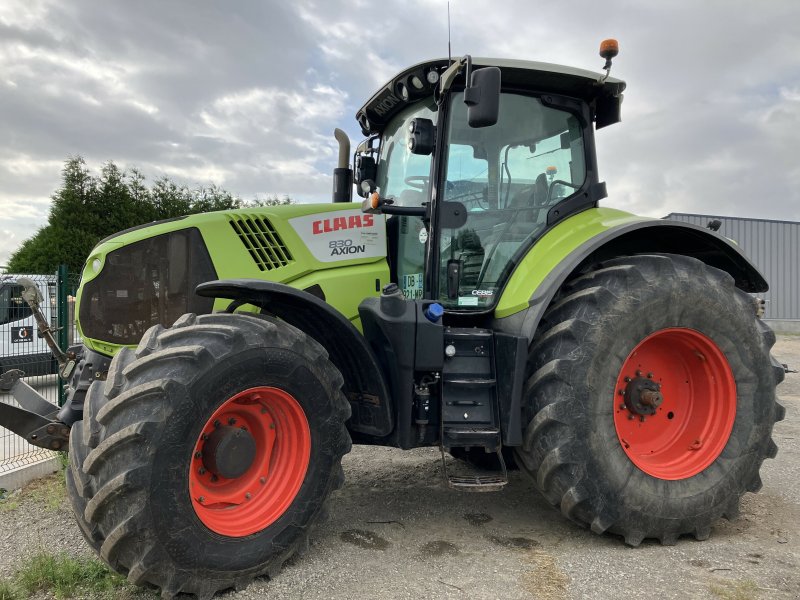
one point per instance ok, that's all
(600, 234)
(364, 384)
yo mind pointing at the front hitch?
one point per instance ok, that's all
(35, 419)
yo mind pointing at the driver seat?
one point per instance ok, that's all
(530, 202)
(540, 190)
(411, 198)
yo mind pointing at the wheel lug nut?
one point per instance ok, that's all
(243, 428)
(263, 411)
(263, 480)
(630, 417)
(214, 478)
(627, 379)
(622, 392)
(201, 499)
(622, 406)
(202, 471)
(198, 455)
(649, 375)
(216, 423)
(641, 418)
(204, 437)
(231, 421)
(638, 373)
(247, 496)
(272, 425)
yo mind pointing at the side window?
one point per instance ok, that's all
(5, 303)
(12, 306)
(543, 173)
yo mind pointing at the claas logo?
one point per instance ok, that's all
(341, 223)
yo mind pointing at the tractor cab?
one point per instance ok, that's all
(472, 162)
(471, 170)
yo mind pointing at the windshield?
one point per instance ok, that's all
(406, 178)
(402, 175)
(507, 176)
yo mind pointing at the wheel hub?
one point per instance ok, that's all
(643, 395)
(229, 452)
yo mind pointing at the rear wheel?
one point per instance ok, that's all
(651, 399)
(206, 457)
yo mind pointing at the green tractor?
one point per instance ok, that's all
(478, 300)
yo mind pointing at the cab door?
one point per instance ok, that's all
(508, 176)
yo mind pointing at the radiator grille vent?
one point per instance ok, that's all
(261, 241)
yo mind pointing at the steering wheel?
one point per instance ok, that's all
(417, 182)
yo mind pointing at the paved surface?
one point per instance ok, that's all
(396, 532)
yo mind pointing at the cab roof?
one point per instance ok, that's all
(603, 97)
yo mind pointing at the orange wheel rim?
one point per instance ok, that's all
(674, 403)
(273, 429)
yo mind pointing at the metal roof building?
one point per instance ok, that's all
(774, 247)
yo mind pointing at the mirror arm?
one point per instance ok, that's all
(407, 211)
(376, 205)
(451, 73)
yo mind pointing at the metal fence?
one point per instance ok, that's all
(21, 348)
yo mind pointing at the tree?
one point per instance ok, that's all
(87, 208)
(270, 201)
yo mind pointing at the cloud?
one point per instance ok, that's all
(247, 95)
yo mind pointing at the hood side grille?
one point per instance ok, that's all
(262, 241)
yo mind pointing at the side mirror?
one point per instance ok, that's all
(482, 97)
(365, 170)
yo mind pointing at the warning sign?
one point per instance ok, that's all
(21, 335)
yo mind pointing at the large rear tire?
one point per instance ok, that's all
(205, 458)
(675, 459)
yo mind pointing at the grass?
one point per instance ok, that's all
(58, 575)
(7, 591)
(732, 590)
(63, 576)
(48, 492)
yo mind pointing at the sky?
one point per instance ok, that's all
(246, 94)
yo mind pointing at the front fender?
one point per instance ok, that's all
(364, 384)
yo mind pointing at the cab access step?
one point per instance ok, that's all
(470, 411)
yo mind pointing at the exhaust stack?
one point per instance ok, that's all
(342, 174)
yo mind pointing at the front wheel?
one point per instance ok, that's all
(651, 398)
(206, 457)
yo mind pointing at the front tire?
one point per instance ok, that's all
(207, 455)
(682, 330)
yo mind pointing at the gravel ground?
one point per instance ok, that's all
(396, 531)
